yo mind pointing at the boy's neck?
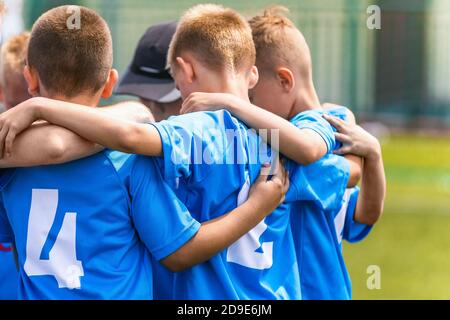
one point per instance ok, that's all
(232, 84)
(243, 94)
(85, 100)
(307, 99)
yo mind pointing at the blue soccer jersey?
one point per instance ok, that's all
(210, 159)
(9, 280)
(86, 229)
(320, 222)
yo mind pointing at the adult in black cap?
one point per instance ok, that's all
(148, 78)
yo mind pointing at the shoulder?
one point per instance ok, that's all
(308, 117)
(342, 112)
(314, 120)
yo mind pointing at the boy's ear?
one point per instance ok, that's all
(110, 84)
(32, 80)
(286, 79)
(254, 77)
(186, 68)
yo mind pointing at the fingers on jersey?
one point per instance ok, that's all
(339, 124)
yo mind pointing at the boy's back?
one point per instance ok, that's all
(83, 230)
(211, 159)
(73, 232)
(213, 51)
(14, 91)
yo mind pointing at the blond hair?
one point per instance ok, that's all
(71, 61)
(219, 37)
(13, 57)
(278, 41)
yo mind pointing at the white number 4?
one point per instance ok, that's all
(243, 251)
(62, 262)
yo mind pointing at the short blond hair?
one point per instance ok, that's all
(13, 57)
(71, 61)
(279, 41)
(219, 37)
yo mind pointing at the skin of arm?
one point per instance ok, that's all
(49, 144)
(45, 144)
(102, 128)
(356, 162)
(357, 141)
(369, 207)
(218, 234)
(304, 146)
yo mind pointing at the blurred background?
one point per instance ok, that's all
(395, 79)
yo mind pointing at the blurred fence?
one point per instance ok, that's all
(400, 71)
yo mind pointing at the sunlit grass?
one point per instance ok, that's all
(411, 243)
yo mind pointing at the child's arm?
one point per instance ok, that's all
(356, 162)
(359, 142)
(369, 207)
(45, 144)
(93, 124)
(218, 234)
(304, 146)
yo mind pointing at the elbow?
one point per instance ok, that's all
(355, 177)
(371, 217)
(175, 267)
(311, 157)
(143, 114)
(369, 220)
(175, 263)
(56, 150)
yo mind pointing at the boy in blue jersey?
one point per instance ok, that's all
(13, 90)
(86, 229)
(212, 51)
(319, 224)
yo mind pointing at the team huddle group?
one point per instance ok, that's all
(228, 179)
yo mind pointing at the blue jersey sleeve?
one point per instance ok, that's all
(323, 182)
(313, 120)
(162, 221)
(354, 231)
(192, 142)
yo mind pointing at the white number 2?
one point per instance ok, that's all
(243, 251)
(62, 262)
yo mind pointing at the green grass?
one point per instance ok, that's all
(411, 243)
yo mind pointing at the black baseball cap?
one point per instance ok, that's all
(148, 76)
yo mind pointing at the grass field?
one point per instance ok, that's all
(411, 243)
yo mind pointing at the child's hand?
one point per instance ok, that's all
(355, 140)
(201, 101)
(268, 194)
(15, 121)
